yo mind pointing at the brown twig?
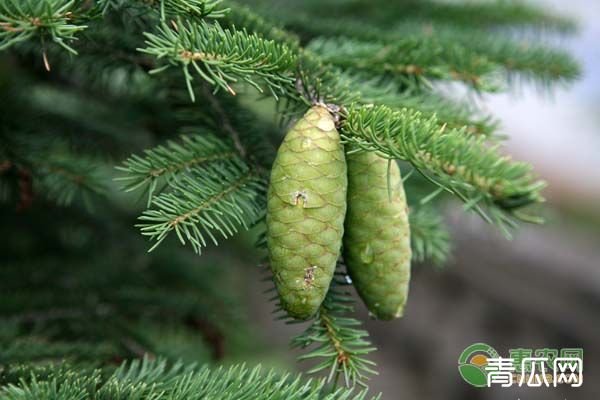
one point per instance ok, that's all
(342, 356)
(25, 184)
(225, 120)
(211, 334)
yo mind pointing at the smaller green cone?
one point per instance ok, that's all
(377, 235)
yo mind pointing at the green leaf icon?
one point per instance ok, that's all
(473, 375)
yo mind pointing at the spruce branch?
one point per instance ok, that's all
(491, 15)
(28, 349)
(61, 178)
(181, 8)
(452, 113)
(429, 237)
(57, 19)
(516, 56)
(221, 57)
(317, 82)
(242, 15)
(157, 380)
(47, 169)
(191, 8)
(214, 200)
(454, 48)
(413, 60)
(163, 164)
(528, 61)
(336, 340)
(457, 162)
(482, 14)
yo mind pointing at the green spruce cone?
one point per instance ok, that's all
(305, 212)
(377, 238)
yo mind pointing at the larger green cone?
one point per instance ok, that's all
(305, 212)
(377, 239)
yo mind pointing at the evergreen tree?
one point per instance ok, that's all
(190, 88)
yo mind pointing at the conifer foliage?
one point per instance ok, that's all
(183, 105)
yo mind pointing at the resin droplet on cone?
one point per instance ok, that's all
(305, 212)
(377, 238)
